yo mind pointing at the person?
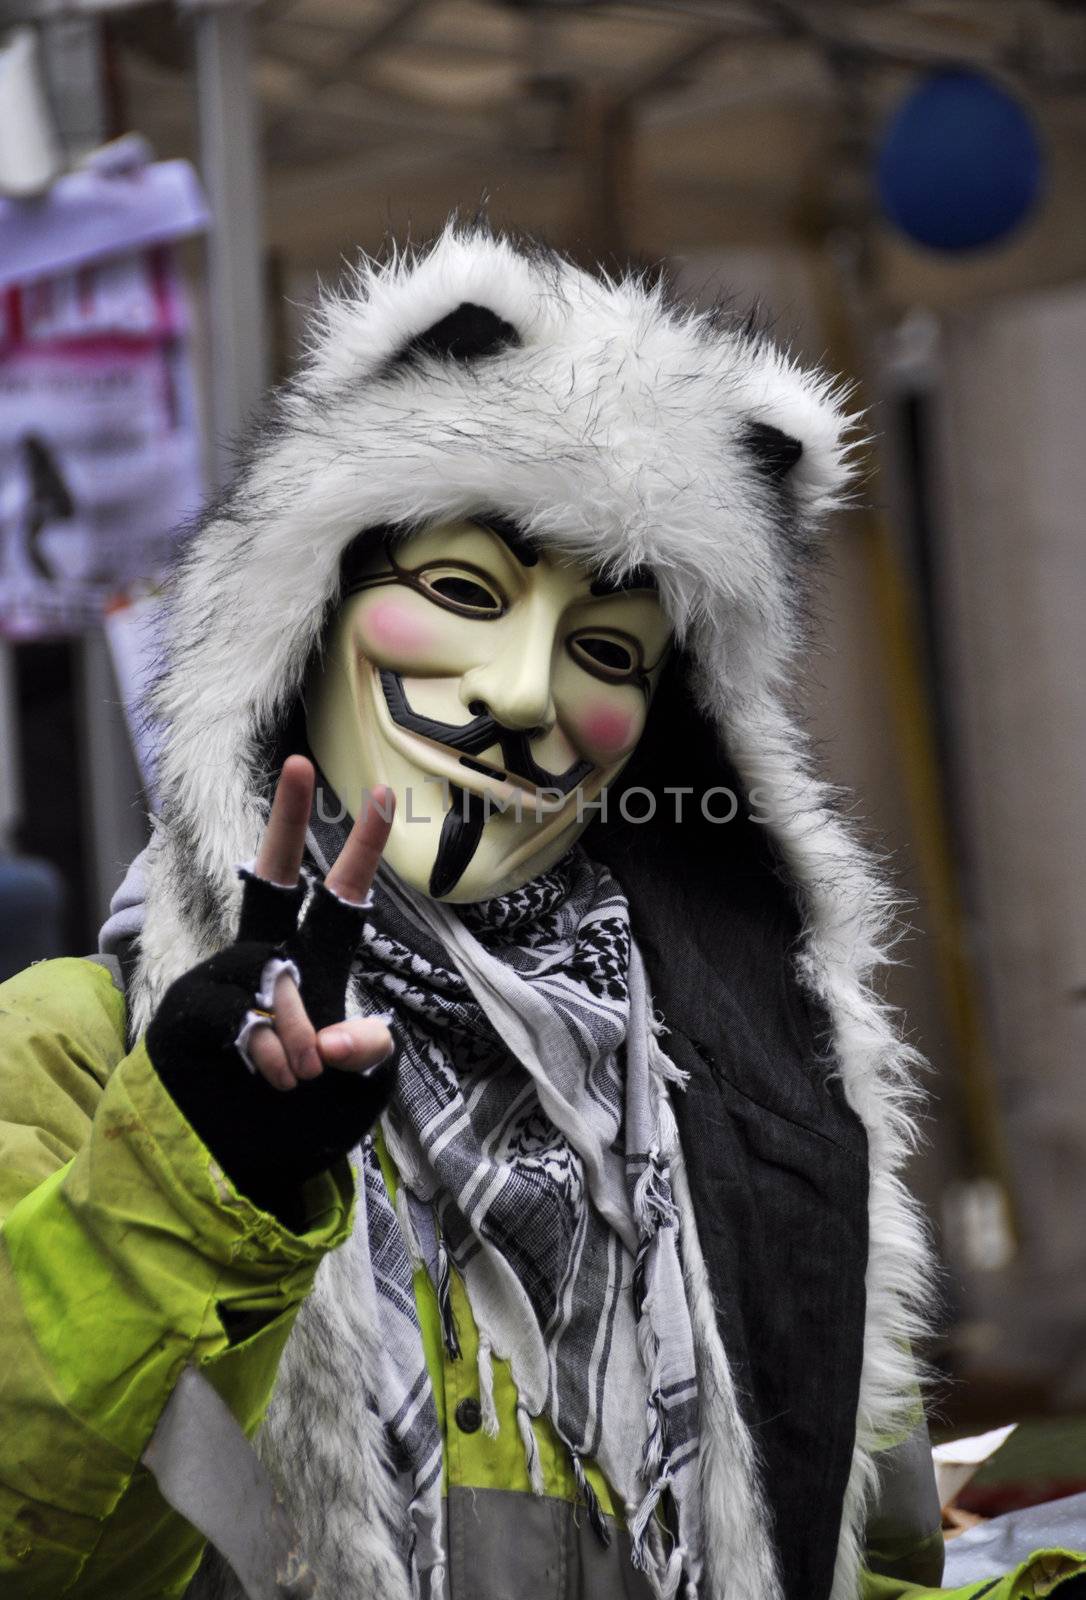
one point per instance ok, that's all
(515, 1144)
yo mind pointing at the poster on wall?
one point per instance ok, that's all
(100, 453)
(100, 443)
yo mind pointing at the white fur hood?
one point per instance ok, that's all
(617, 428)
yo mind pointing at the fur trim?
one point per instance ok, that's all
(850, 924)
(617, 431)
(738, 1563)
(324, 1444)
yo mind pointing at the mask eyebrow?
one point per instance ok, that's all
(636, 578)
(512, 536)
(505, 529)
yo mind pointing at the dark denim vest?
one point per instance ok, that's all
(776, 1157)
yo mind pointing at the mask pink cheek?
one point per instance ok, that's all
(607, 732)
(390, 629)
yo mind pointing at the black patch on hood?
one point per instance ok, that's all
(774, 452)
(466, 334)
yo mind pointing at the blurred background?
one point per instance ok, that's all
(901, 186)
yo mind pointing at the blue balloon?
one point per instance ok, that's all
(960, 163)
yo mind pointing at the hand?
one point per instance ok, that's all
(248, 1068)
(291, 1050)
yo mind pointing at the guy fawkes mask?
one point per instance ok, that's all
(494, 687)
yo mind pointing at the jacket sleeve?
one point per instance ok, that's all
(904, 1535)
(1047, 1572)
(125, 1254)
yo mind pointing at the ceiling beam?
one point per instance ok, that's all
(386, 30)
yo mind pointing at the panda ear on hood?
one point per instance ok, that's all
(795, 430)
(773, 451)
(467, 333)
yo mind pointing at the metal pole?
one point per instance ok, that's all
(10, 774)
(116, 824)
(231, 165)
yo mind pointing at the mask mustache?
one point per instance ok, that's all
(470, 739)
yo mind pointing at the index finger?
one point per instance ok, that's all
(353, 870)
(283, 844)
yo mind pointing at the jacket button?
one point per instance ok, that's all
(469, 1416)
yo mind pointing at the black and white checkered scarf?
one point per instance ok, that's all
(531, 1132)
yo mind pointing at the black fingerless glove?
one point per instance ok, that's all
(268, 1141)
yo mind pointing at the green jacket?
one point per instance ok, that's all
(128, 1254)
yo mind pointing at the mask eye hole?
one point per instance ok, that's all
(468, 593)
(610, 656)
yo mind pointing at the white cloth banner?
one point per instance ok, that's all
(100, 445)
(100, 454)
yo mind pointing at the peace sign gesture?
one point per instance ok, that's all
(290, 1049)
(252, 1044)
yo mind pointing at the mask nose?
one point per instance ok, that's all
(514, 688)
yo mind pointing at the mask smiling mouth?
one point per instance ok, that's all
(465, 743)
